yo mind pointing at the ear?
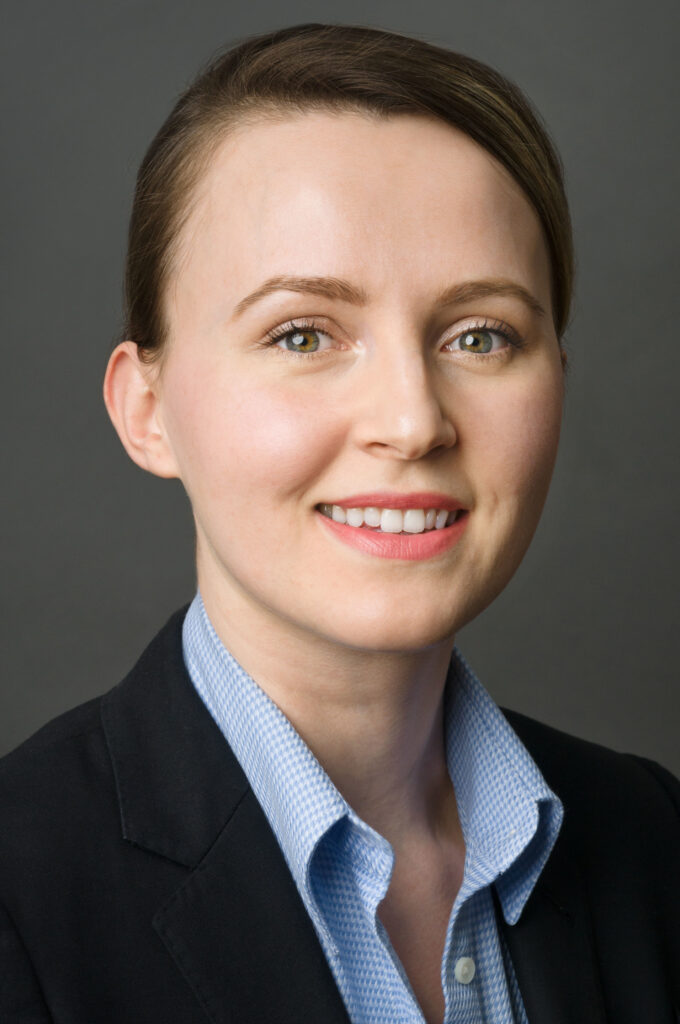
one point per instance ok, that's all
(131, 396)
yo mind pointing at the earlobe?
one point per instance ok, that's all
(132, 402)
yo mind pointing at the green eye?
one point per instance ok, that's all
(479, 342)
(301, 341)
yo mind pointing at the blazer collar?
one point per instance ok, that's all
(551, 945)
(236, 927)
(178, 782)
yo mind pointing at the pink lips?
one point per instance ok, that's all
(404, 546)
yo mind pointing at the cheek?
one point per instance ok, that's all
(516, 440)
(240, 443)
(283, 437)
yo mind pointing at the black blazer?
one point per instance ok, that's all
(141, 884)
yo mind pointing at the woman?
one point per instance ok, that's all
(348, 277)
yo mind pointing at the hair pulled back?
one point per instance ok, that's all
(330, 67)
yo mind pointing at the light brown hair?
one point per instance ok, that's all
(337, 67)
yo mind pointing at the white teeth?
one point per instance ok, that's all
(391, 520)
(414, 520)
(355, 517)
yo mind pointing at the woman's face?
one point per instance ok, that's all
(419, 369)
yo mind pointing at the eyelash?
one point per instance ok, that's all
(294, 326)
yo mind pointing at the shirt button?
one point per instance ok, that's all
(464, 970)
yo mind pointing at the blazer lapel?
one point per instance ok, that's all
(236, 927)
(551, 946)
(551, 949)
(239, 932)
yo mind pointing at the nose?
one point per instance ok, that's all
(403, 408)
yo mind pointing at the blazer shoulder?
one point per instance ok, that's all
(59, 793)
(601, 786)
(52, 738)
(144, 765)
(60, 741)
(48, 775)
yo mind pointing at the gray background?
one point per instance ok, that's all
(96, 554)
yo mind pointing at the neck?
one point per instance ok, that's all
(373, 719)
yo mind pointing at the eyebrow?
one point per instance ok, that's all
(336, 288)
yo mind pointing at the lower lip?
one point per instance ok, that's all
(409, 547)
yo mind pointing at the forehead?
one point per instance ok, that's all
(405, 200)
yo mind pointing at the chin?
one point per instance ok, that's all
(384, 630)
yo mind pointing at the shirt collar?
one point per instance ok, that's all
(509, 816)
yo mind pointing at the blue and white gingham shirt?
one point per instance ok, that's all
(342, 867)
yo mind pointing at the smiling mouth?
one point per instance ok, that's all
(392, 520)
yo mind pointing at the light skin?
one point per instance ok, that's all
(354, 648)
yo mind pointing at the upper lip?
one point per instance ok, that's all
(388, 499)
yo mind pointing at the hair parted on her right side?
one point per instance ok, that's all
(331, 67)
